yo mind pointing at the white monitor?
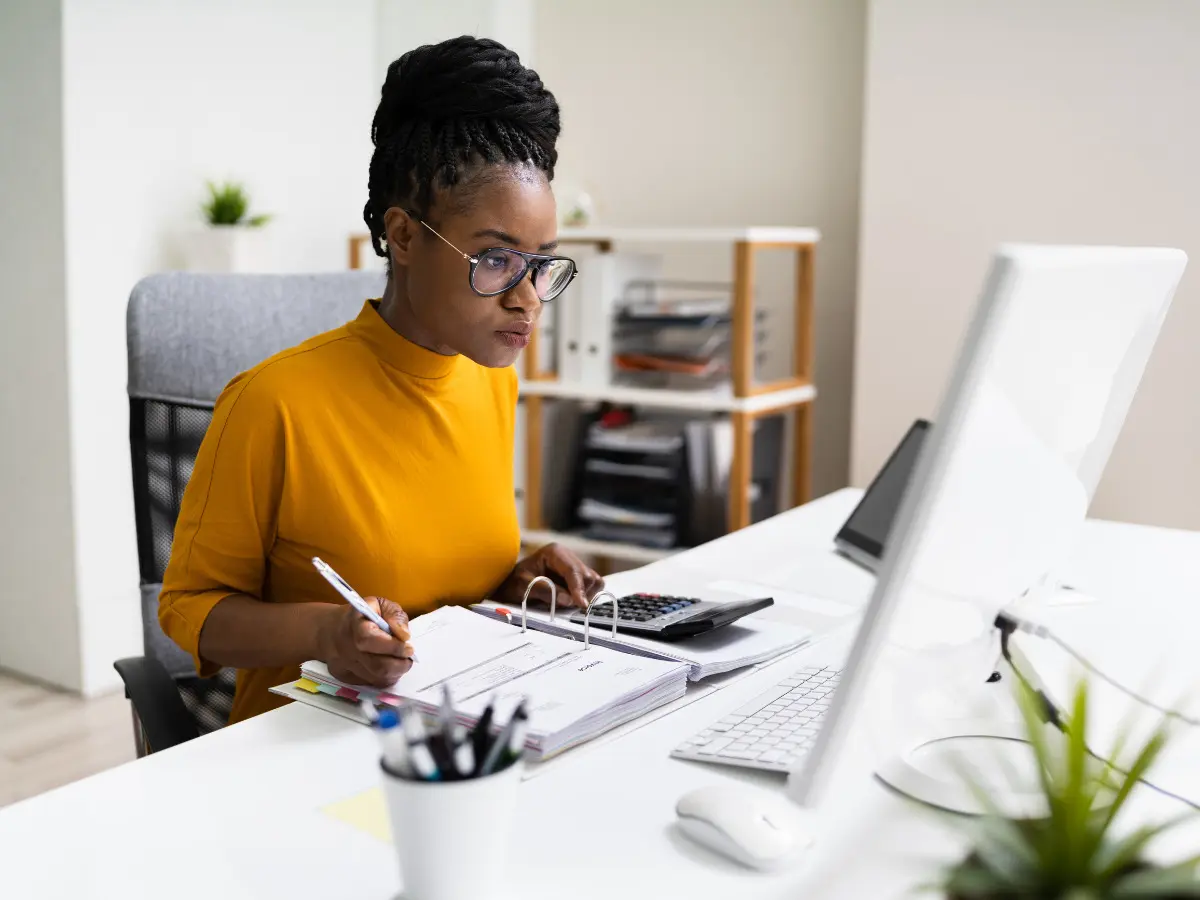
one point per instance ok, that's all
(1045, 375)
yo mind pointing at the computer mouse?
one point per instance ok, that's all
(753, 827)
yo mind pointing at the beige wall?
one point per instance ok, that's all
(719, 113)
(1066, 121)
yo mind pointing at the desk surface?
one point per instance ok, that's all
(236, 814)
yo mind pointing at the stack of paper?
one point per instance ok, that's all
(747, 642)
(571, 693)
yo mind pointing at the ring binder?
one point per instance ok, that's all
(525, 600)
(587, 616)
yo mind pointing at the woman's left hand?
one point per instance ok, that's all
(577, 583)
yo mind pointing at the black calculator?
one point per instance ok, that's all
(668, 618)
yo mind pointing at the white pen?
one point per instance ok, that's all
(420, 757)
(369, 711)
(352, 596)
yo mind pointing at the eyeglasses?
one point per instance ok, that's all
(500, 269)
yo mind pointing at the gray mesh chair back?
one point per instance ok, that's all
(188, 335)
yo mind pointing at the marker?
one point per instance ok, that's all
(352, 597)
(395, 750)
(501, 744)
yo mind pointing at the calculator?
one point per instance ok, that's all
(668, 618)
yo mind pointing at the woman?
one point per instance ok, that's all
(386, 446)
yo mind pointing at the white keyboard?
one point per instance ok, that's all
(774, 730)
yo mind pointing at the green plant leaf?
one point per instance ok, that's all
(1143, 762)
(258, 221)
(1172, 881)
(226, 204)
(968, 880)
(1114, 858)
(1035, 730)
(1078, 799)
(1004, 849)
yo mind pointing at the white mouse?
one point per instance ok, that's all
(753, 827)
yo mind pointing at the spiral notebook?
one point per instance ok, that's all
(573, 691)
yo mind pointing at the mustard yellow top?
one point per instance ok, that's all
(392, 463)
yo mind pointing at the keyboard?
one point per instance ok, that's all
(773, 731)
(669, 618)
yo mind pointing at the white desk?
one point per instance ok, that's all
(236, 814)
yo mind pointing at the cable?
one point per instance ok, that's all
(1053, 715)
(1006, 622)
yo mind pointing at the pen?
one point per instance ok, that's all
(458, 746)
(447, 712)
(369, 711)
(516, 740)
(479, 737)
(460, 751)
(501, 744)
(352, 596)
(419, 754)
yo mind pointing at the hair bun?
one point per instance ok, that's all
(466, 78)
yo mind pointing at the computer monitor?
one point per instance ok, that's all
(864, 534)
(1044, 377)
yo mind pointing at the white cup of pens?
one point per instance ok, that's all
(449, 788)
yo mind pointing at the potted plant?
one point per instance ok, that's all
(1073, 852)
(232, 240)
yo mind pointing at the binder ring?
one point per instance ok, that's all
(587, 616)
(525, 599)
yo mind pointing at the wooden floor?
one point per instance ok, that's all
(50, 738)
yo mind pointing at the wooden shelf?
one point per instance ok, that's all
(590, 547)
(712, 400)
(754, 235)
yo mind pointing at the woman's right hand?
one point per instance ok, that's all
(357, 651)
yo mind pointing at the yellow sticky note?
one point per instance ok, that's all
(306, 684)
(366, 812)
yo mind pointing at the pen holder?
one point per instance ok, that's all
(452, 838)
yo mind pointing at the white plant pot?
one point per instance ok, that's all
(229, 248)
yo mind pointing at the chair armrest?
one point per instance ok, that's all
(164, 719)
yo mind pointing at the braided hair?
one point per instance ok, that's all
(447, 111)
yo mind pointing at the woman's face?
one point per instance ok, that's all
(511, 207)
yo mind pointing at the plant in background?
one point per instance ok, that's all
(1073, 853)
(227, 204)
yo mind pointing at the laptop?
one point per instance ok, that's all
(862, 536)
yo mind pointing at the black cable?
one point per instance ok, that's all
(1053, 715)
(1003, 621)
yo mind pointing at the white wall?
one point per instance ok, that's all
(402, 25)
(157, 97)
(1070, 121)
(39, 629)
(723, 113)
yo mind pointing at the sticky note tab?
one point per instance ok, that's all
(346, 694)
(306, 684)
(365, 811)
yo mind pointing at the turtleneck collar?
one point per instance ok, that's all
(397, 350)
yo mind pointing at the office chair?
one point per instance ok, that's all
(187, 336)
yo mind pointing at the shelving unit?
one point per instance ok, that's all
(744, 400)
